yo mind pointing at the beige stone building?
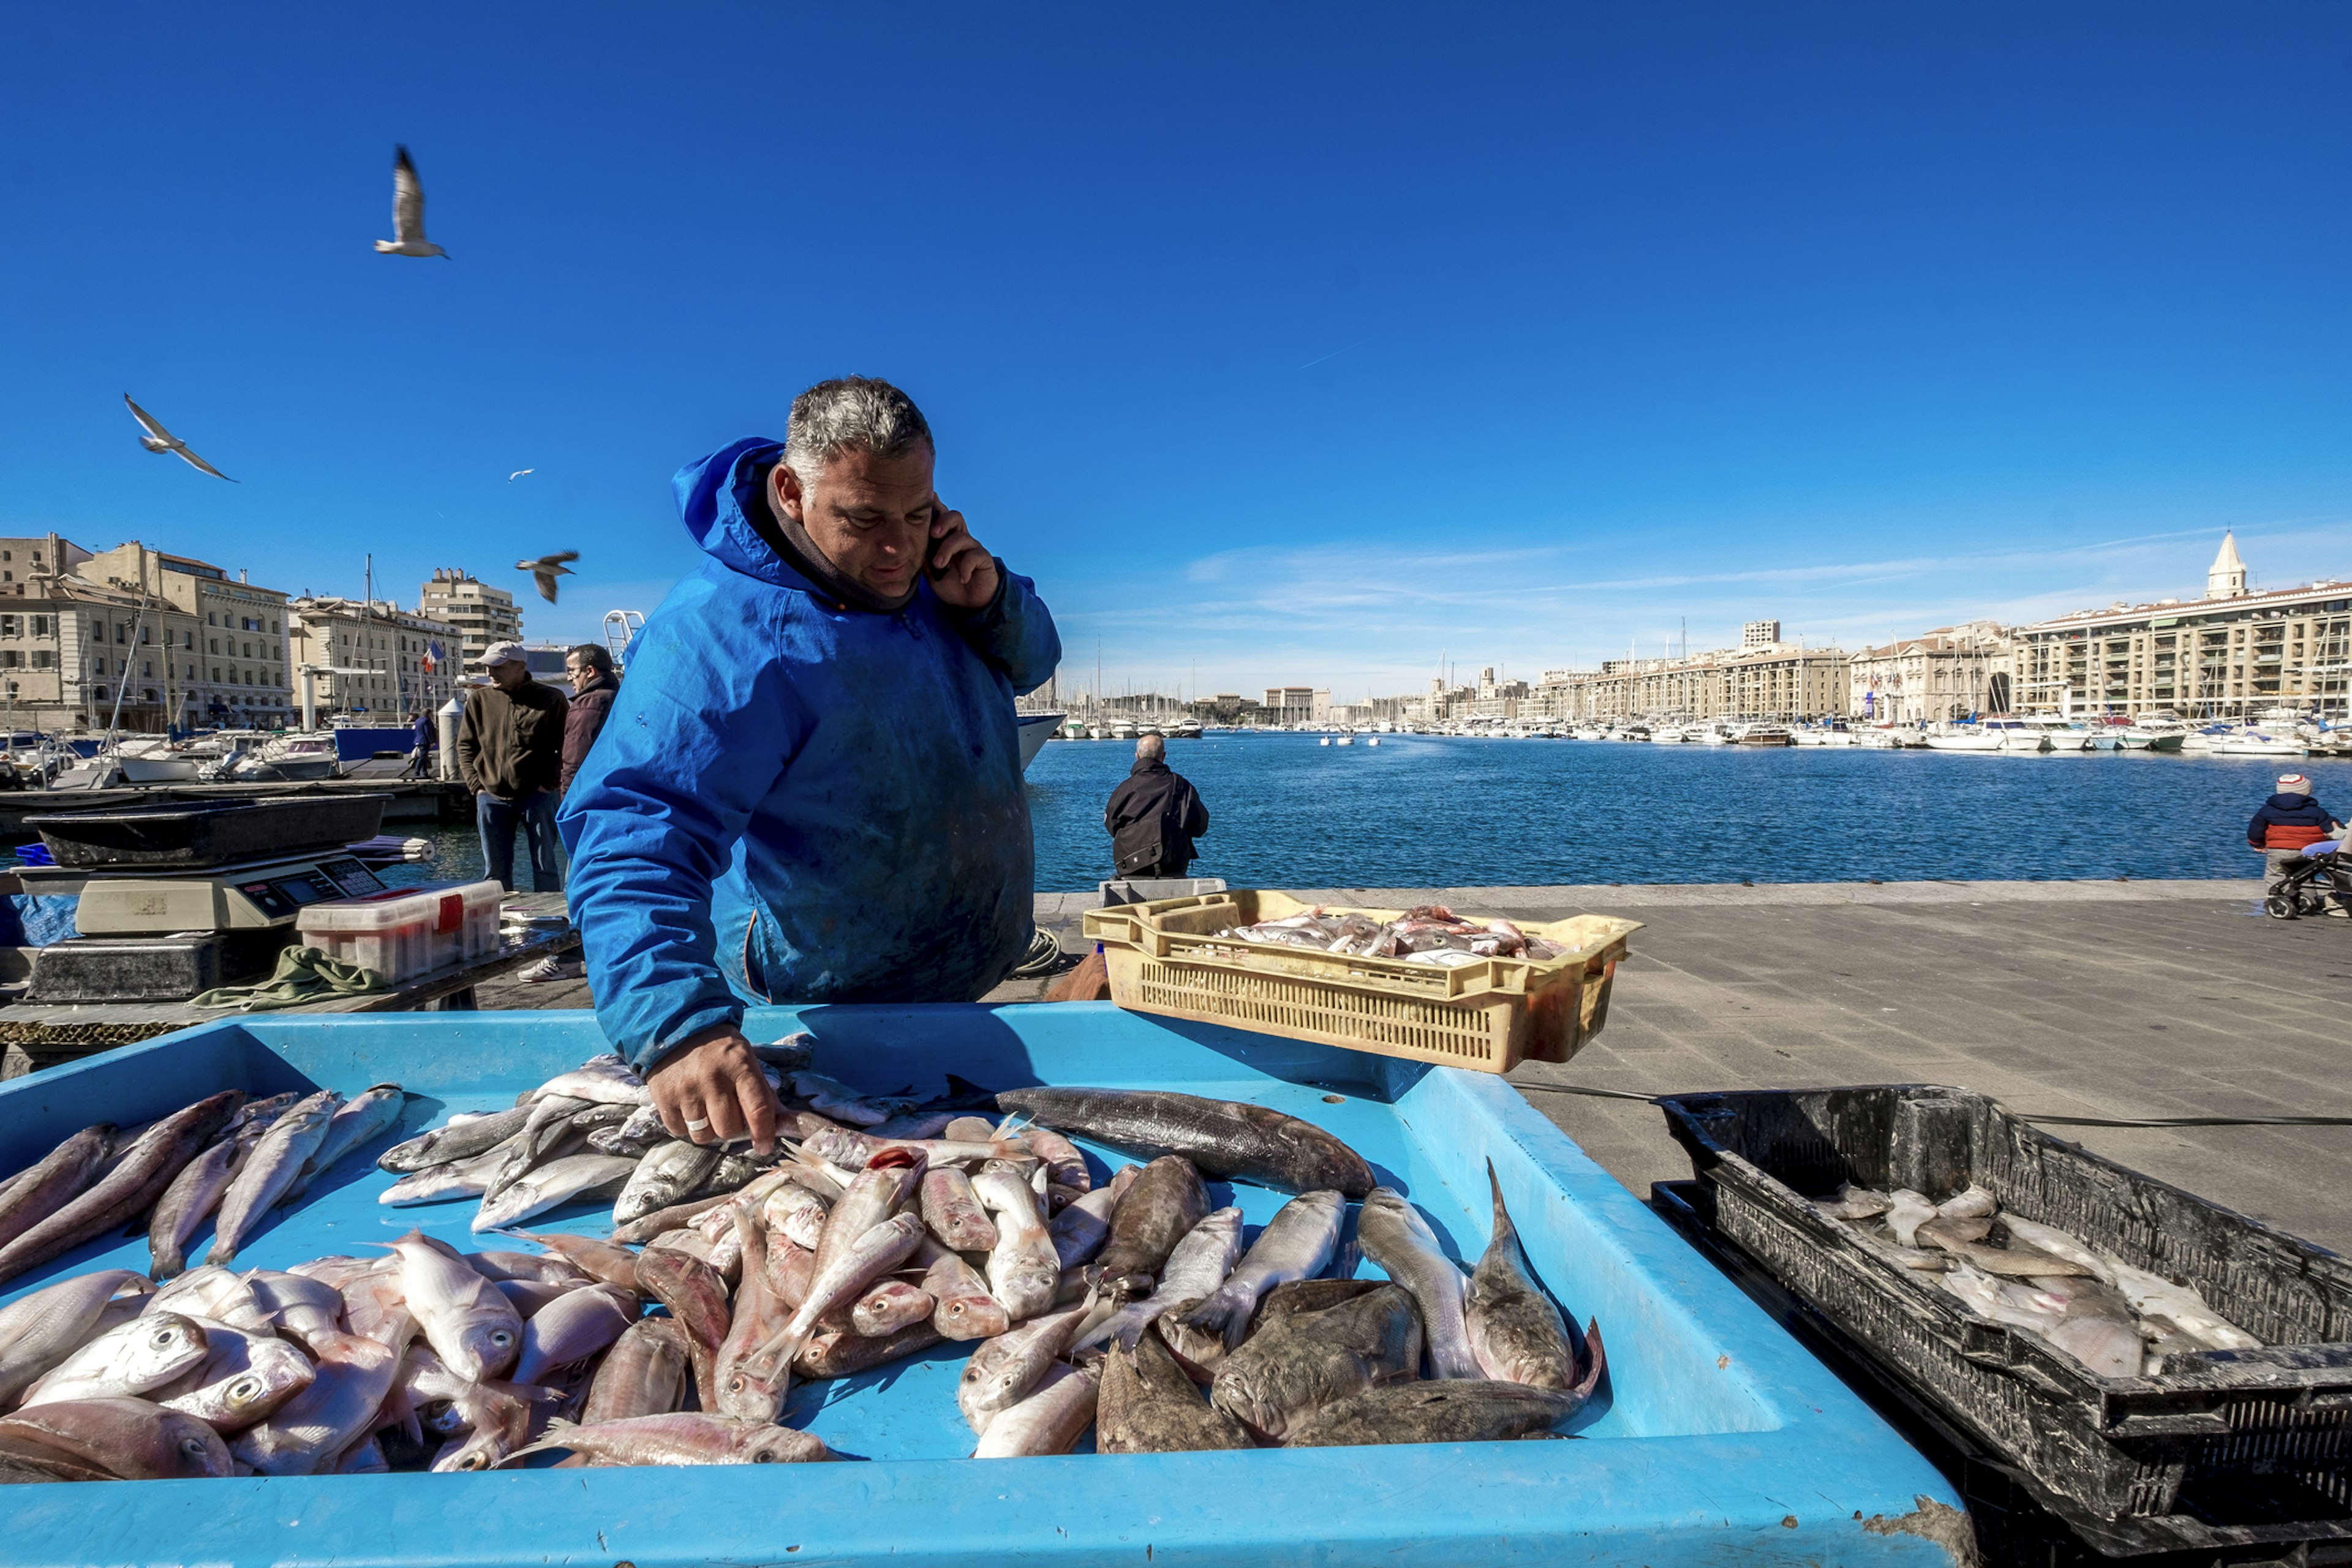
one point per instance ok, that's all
(1949, 673)
(2235, 653)
(224, 639)
(374, 660)
(482, 614)
(1778, 681)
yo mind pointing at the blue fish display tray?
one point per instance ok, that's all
(1717, 1437)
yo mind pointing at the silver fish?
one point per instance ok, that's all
(457, 1140)
(554, 1184)
(473, 1330)
(298, 1308)
(1297, 1244)
(1023, 1268)
(606, 1079)
(685, 1437)
(211, 1291)
(144, 1354)
(1047, 1422)
(310, 1431)
(439, 1184)
(1002, 1371)
(40, 1329)
(1395, 1236)
(272, 1167)
(579, 1325)
(242, 1379)
(543, 1137)
(358, 1121)
(663, 1178)
(1200, 1263)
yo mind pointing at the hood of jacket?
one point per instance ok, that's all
(2291, 804)
(1148, 766)
(714, 500)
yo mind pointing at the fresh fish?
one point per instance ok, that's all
(696, 1299)
(1906, 1210)
(2058, 1244)
(794, 1052)
(1974, 1202)
(62, 1175)
(40, 1329)
(683, 1438)
(298, 1308)
(766, 1372)
(924, 1125)
(1297, 1244)
(126, 1192)
(499, 1422)
(365, 1458)
(1952, 1235)
(953, 1211)
(1225, 1139)
(605, 1080)
(1083, 1226)
(646, 1373)
(1048, 1421)
(1853, 1203)
(546, 1136)
(548, 1186)
(465, 1178)
(309, 1432)
(111, 1439)
(530, 1296)
(581, 1325)
(638, 1231)
(1166, 1201)
(1198, 1266)
(144, 1354)
(968, 1128)
(792, 1211)
(270, 1172)
(211, 1291)
(830, 1097)
(1395, 1236)
(873, 1196)
(1515, 1332)
(1064, 1166)
(243, 1378)
(539, 1268)
(374, 1305)
(1473, 1411)
(964, 1308)
(833, 1354)
(1022, 1266)
(2178, 1308)
(1150, 1406)
(2015, 1261)
(1301, 1363)
(599, 1261)
(664, 1178)
(361, 1121)
(186, 1203)
(889, 1305)
(457, 1140)
(1003, 1370)
(852, 1151)
(473, 1330)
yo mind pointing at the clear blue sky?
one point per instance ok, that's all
(1309, 344)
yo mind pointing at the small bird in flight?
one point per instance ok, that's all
(520, 473)
(407, 213)
(547, 569)
(159, 439)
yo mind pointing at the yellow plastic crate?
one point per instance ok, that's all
(1490, 1015)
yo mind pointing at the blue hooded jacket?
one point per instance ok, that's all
(792, 801)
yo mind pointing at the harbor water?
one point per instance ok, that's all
(1429, 811)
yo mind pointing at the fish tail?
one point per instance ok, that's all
(557, 1428)
(1502, 1216)
(1598, 1364)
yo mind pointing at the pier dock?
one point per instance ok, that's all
(413, 800)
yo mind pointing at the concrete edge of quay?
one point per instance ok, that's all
(1630, 895)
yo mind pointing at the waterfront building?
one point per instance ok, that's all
(202, 648)
(372, 661)
(1294, 705)
(1760, 634)
(1777, 680)
(1949, 673)
(482, 614)
(2235, 653)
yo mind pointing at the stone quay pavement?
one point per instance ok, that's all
(2111, 999)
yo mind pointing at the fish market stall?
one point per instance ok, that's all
(1704, 1433)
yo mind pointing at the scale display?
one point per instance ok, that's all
(281, 898)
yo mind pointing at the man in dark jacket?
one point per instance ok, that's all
(2286, 826)
(420, 757)
(592, 685)
(1153, 817)
(510, 755)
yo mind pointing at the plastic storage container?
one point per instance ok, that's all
(1718, 1440)
(211, 832)
(2220, 1447)
(404, 933)
(1165, 957)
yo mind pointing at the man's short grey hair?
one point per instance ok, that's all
(853, 414)
(1152, 748)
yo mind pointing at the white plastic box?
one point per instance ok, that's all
(406, 932)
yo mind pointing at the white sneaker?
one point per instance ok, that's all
(555, 969)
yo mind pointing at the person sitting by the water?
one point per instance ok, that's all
(808, 788)
(1153, 817)
(2286, 828)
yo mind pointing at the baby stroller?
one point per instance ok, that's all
(2307, 882)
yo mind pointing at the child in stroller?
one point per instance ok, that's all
(2303, 843)
(2316, 882)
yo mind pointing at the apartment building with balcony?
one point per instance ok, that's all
(482, 614)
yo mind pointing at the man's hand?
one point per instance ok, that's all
(962, 573)
(712, 1090)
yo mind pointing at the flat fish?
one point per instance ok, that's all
(1225, 1139)
(1470, 1411)
(1515, 1332)
(1395, 1236)
(1301, 1363)
(1150, 1406)
(1166, 1201)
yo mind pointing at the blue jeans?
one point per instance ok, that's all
(535, 815)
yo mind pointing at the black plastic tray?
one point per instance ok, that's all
(196, 834)
(2254, 1439)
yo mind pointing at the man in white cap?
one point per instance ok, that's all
(510, 755)
(2286, 828)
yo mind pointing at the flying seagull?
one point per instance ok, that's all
(547, 569)
(407, 213)
(159, 439)
(520, 473)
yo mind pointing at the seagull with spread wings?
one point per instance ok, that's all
(547, 569)
(407, 213)
(159, 439)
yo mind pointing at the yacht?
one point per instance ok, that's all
(2063, 734)
(1035, 730)
(2253, 743)
(153, 759)
(1879, 739)
(1590, 732)
(292, 757)
(2155, 732)
(1122, 730)
(1184, 729)
(1764, 735)
(1834, 733)
(1968, 738)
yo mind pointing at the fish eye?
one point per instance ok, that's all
(245, 1388)
(163, 1337)
(735, 1385)
(192, 1445)
(472, 1461)
(763, 1458)
(502, 1337)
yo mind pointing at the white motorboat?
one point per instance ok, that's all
(1122, 730)
(1035, 730)
(1879, 739)
(146, 760)
(2150, 734)
(2259, 744)
(292, 757)
(1764, 735)
(1588, 732)
(1968, 738)
(1184, 729)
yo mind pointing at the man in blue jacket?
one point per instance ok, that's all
(808, 788)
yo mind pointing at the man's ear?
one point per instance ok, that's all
(784, 493)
